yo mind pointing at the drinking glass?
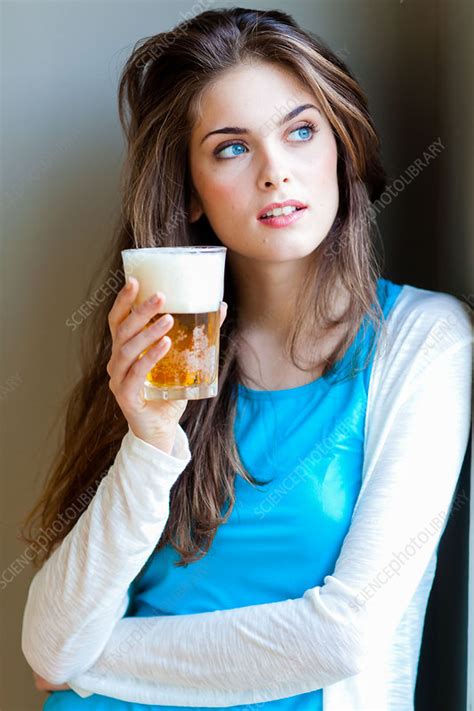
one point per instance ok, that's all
(192, 280)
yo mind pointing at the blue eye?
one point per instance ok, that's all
(231, 145)
(307, 126)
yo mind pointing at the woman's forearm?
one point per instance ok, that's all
(81, 591)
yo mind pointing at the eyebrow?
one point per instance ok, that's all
(285, 119)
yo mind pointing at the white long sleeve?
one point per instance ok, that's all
(416, 434)
(81, 591)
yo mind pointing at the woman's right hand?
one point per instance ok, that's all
(154, 421)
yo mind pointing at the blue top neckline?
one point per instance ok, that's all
(246, 392)
(323, 380)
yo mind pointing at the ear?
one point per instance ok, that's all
(195, 207)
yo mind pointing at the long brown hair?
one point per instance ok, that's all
(160, 93)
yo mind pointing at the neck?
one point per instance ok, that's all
(267, 294)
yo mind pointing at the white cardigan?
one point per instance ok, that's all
(357, 636)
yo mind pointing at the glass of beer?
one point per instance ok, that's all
(192, 280)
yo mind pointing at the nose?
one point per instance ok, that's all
(271, 176)
(273, 181)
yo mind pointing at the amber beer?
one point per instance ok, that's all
(192, 279)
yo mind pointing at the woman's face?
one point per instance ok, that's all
(235, 175)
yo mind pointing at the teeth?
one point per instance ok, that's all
(280, 211)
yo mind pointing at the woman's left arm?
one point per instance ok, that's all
(417, 430)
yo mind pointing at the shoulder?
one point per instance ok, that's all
(420, 317)
(414, 298)
(426, 334)
(424, 358)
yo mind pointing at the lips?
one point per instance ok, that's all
(283, 220)
(273, 205)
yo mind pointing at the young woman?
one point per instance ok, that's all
(273, 546)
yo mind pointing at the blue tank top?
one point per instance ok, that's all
(283, 536)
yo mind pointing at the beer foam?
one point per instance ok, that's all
(191, 280)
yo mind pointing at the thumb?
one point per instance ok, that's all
(223, 312)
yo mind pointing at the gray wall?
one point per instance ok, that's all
(61, 153)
